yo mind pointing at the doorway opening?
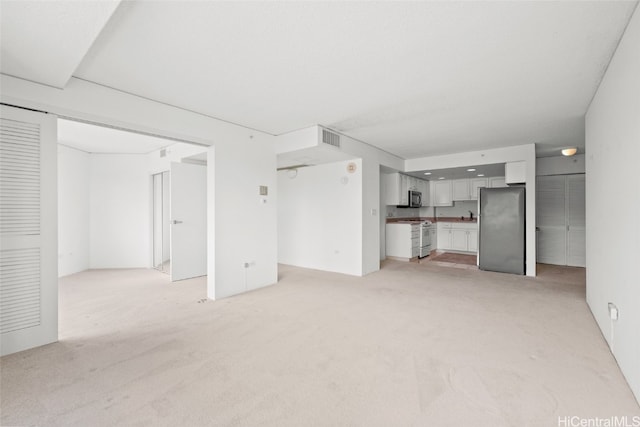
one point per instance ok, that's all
(161, 237)
(120, 196)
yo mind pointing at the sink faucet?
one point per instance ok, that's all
(470, 216)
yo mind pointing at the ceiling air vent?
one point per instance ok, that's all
(163, 152)
(330, 138)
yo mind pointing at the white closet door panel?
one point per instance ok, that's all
(576, 200)
(550, 220)
(552, 244)
(28, 230)
(550, 201)
(576, 252)
(576, 255)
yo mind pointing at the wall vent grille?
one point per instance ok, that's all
(330, 138)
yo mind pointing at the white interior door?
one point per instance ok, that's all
(28, 230)
(188, 220)
(550, 220)
(576, 248)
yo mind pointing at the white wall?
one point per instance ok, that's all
(526, 153)
(120, 211)
(173, 153)
(371, 211)
(73, 211)
(319, 218)
(240, 151)
(245, 223)
(460, 208)
(560, 165)
(613, 150)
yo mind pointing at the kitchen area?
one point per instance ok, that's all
(432, 215)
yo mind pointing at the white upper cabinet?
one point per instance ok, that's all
(515, 172)
(460, 189)
(397, 187)
(391, 183)
(442, 192)
(497, 182)
(467, 189)
(423, 187)
(475, 184)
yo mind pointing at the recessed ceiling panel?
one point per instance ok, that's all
(100, 139)
(44, 41)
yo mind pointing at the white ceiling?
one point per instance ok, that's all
(44, 41)
(487, 171)
(413, 78)
(100, 139)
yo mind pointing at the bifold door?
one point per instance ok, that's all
(28, 230)
(560, 219)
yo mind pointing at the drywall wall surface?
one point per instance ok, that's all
(173, 153)
(560, 165)
(120, 211)
(371, 216)
(613, 150)
(526, 153)
(372, 159)
(460, 208)
(255, 159)
(73, 210)
(297, 140)
(320, 218)
(244, 236)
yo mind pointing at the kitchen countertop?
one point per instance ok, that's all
(413, 220)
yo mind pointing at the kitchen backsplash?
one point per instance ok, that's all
(458, 209)
(395, 212)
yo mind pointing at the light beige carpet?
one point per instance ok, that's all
(412, 345)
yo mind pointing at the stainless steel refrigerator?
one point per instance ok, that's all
(501, 229)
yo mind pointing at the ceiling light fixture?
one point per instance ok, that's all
(569, 151)
(471, 170)
(480, 174)
(427, 173)
(442, 177)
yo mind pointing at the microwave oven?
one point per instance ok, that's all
(415, 199)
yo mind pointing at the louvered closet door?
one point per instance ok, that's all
(28, 230)
(576, 225)
(550, 220)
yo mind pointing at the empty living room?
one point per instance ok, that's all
(340, 213)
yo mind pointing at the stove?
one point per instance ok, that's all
(425, 238)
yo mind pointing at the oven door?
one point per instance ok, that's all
(425, 241)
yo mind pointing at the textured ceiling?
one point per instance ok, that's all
(44, 41)
(413, 78)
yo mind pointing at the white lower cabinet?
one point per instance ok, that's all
(472, 240)
(458, 236)
(402, 241)
(434, 237)
(459, 239)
